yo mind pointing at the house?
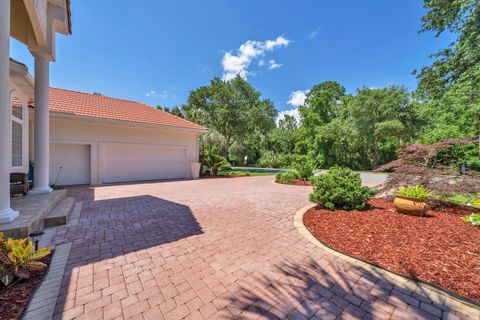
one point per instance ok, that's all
(34, 23)
(72, 137)
(96, 139)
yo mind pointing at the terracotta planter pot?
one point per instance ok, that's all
(413, 207)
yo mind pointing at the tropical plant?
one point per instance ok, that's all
(417, 192)
(286, 177)
(19, 258)
(340, 188)
(213, 160)
(305, 169)
(473, 219)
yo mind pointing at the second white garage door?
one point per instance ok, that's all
(135, 162)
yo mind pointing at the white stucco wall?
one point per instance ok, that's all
(96, 133)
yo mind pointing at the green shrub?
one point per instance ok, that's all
(473, 219)
(418, 192)
(340, 188)
(269, 159)
(305, 169)
(457, 155)
(286, 177)
(213, 160)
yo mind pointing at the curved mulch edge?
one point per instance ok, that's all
(304, 231)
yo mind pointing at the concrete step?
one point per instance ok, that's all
(60, 215)
(33, 210)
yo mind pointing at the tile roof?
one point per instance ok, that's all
(102, 107)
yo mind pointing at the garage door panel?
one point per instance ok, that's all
(70, 164)
(130, 162)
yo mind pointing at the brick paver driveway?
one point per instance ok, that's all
(205, 249)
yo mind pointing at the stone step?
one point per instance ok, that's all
(60, 215)
(33, 210)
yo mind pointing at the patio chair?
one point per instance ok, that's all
(19, 184)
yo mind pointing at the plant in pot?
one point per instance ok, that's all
(411, 200)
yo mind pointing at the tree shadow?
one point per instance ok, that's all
(113, 233)
(330, 290)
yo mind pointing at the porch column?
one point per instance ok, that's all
(6, 213)
(42, 127)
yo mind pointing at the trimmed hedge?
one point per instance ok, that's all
(286, 177)
(340, 188)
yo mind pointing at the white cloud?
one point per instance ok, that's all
(313, 34)
(162, 95)
(261, 63)
(293, 112)
(297, 98)
(274, 65)
(238, 63)
(151, 94)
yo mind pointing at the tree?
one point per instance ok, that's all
(233, 108)
(383, 119)
(176, 111)
(461, 17)
(451, 85)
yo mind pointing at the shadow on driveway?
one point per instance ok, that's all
(125, 231)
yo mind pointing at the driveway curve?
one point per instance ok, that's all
(214, 249)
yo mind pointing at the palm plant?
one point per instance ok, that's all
(213, 160)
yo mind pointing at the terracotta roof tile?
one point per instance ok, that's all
(96, 106)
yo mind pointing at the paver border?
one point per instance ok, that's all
(42, 304)
(459, 303)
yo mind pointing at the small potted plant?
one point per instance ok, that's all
(411, 200)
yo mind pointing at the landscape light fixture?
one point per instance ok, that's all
(35, 235)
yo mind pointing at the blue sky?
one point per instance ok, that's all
(158, 51)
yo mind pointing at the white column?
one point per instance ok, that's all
(42, 127)
(6, 213)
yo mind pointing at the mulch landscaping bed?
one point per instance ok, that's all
(15, 298)
(298, 182)
(440, 248)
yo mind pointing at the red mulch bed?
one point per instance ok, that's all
(298, 182)
(440, 248)
(15, 298)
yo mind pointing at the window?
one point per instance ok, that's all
(17, 133)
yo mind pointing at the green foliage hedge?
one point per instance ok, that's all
(340, 188)
(286, 177)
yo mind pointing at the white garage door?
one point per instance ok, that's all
(69, 164)
(134, 162)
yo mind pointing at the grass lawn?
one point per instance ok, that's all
(464, 199)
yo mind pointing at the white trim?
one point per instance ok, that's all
(25, 132)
